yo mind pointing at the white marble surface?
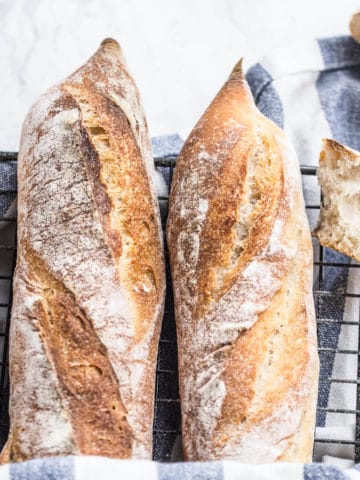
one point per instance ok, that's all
(179, 51)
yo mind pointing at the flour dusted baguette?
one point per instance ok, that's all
(89, 282)
(241, 260)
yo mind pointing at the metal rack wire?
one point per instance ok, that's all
(167, 407)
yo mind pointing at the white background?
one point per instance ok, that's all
(179, 51)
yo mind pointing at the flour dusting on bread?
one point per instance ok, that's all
(87, 305)
(241, 270)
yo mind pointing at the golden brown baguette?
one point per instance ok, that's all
(339, 177)
(241, 260)
(89, 283)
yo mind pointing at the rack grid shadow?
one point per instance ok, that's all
(167, 420)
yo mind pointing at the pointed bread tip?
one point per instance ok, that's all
(238, 72)
(238, 77)
(110, 43)
(111, 47)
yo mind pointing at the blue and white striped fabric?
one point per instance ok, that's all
(100, 468)
(312, 90)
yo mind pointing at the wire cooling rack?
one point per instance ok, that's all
(329, 298)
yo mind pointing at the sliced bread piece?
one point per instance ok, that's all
(339, 177)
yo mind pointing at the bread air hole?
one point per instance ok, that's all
(150, 278)
(81, 322)
(92, 373)
(97, 131)
(100, 137)
(147, 283)
(103, 143)
(145, 224)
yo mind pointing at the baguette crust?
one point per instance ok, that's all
(241, 260)
(89, 282)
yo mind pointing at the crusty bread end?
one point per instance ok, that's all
(339, 177)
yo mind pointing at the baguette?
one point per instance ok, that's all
(241, 262)
(89, 281)
(339, 176)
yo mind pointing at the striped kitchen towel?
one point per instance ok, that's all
(99, 468)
